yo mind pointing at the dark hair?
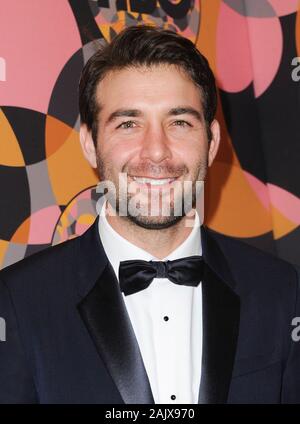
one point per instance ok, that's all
(139, 46)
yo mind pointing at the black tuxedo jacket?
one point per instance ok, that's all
(69, 338)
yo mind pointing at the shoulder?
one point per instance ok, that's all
(57, 269)
(41, 267)
(254, 269)
(237, 250)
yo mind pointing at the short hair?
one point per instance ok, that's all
(145, 45)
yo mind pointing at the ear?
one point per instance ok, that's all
(87, 145)
(215, 141)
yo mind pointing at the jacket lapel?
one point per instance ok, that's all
(221, 312)
(104, 313)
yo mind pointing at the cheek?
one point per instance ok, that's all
(115, 145)
(117, 157)
(190, 155)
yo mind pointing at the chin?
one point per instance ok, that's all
(155, 222)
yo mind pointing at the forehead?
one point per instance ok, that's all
(157, 84)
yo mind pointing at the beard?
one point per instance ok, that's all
(184, 197)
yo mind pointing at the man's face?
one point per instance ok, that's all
(151, 126)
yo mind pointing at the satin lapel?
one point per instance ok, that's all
(221, 312)
(105, 315)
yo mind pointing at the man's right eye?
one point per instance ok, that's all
(126, 125)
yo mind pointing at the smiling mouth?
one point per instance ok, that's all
(153, 182)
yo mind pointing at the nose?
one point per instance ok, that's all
(155, 146)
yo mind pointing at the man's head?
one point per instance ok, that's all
(147, 105)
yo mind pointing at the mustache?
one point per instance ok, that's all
(150, 169)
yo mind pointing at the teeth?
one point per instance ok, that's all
(153, 181)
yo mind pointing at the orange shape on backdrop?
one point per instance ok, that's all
(21, 235)
(117, 26)
(206, 40)
(56, 133)
(231, 207)
(69, 171)
(3, 248)
(281, 224)
(86, 219)
(10, 152)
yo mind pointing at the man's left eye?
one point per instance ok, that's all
(181, 123)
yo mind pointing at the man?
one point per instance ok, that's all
(149, 308)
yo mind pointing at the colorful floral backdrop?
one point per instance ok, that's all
(47, 189)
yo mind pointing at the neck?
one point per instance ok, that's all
(159, 243)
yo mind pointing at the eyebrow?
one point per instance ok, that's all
(180, 110)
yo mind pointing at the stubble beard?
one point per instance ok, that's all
(161, 221)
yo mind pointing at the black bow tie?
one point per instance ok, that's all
(137, 275)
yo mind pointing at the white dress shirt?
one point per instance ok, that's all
(166, 318)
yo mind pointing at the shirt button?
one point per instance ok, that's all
(166, 318)
(173, 397)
